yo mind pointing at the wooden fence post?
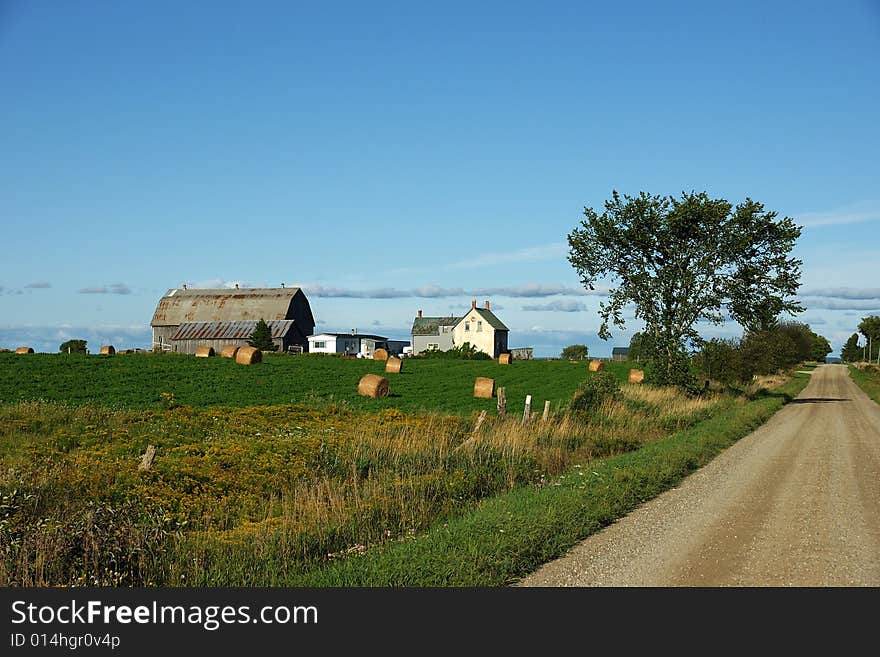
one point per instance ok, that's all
(502, 401)
(546, 411)
(528, 409)
(147, 458)
(479, 421)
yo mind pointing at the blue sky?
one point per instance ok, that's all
(415, 155)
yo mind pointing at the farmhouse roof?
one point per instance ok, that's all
(620, 351)
(431, 325)
(491, 318)
(230, 330)
(182, 305)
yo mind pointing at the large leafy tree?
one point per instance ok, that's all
(680, 261)
(851, 351)
(821, 348)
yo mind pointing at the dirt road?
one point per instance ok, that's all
(796, 503)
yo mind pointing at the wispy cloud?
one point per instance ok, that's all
(113, 288)
(528, 290)
(844, 292)
(832, 304)
(852, 214)
(531, 253)
(42, 285)
(221, 283)
(558, 306)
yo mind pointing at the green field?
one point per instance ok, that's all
(139, 380)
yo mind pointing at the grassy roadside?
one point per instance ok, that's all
(867, 380)
(510, 535)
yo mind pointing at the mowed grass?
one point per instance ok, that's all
(138, 381)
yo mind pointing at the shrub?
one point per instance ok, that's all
(465, 351)
(575, 352)
(592, 392)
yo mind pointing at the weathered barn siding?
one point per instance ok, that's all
(192, 335)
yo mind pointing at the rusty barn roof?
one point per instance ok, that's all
(180, 306)
(229, 330)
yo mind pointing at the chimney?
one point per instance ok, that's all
(474, 303)
(487, 304)
(420, 314)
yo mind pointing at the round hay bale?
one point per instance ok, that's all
(636, 376)
(24, 350)
(229, 351)
(504, 359)
(484, 388)
(248, 356)
(108, 350)
(596, 365)
(373, 385)
(393, 365)
(204, 352)
(380, 354)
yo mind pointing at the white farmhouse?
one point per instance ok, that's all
(482, 329)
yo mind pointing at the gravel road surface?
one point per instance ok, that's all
(796, 503)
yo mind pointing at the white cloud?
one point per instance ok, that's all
(531, 253)
(113, 288)
(844, 292)
(853, 214)
(831, 304)
(557, 306)
(528, 290)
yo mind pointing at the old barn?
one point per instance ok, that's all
(189, 318)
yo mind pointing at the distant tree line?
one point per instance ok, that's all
(869, 327)
(765, 351)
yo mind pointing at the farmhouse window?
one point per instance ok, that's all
(433, 345)
(479, 326)
(467, 326)
(320, 345)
